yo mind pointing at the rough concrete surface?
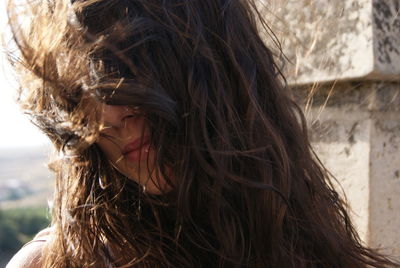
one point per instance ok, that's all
(385, 182)
(386, 32)
(337, 40)
(355, 130)
(345, 61)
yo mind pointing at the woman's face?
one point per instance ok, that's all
(125, 140)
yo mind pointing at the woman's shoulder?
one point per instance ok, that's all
(29, 256)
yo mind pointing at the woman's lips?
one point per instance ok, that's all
(138, 149)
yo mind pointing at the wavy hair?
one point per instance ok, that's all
(248, 190)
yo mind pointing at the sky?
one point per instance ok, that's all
(16, 131)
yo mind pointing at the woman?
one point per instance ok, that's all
(179, 144)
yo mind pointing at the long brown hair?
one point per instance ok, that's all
(248, 190)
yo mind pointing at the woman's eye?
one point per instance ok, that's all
(130, 116)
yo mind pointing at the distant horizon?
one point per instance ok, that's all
(25, 146)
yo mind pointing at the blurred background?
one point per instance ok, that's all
(25, 182)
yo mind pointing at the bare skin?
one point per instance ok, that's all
(125, 141)
(30, 255)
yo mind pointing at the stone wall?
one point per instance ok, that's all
(346, 55)
(337, 40)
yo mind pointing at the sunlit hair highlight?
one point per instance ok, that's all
(247, 188)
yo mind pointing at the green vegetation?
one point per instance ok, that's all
(19, 225)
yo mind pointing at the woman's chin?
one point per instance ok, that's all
(156, 190)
